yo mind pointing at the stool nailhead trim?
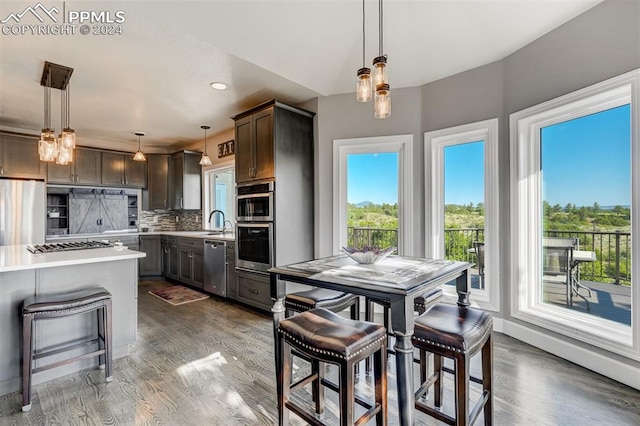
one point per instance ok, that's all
(62, 311)
(334, 354)
(298, 306)
(451, 348)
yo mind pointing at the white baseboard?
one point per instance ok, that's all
(600, 363)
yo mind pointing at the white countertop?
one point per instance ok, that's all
(227, 236)
(18, 258)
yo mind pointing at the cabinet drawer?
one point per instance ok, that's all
(254, 289)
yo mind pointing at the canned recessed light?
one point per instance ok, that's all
(219, 85)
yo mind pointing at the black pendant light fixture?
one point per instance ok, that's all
(363, 88)
(139, 155)
(205, 160)
(382, 102)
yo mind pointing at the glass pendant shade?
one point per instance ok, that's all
(205, 160)
(139, 156)
(48, 148)
(65, 155)
(380, 71)
(68, 138)
(364, 87)
(382, 104)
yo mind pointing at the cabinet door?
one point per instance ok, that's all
(184, 274)
(19, 158)
(264, 155)
(112, 169)
(158, 183)
(84, 214)
(135, 172)
(88, 166)
(177, 170)
(114, 213)
(152, 264)
(231, 271)
(57, 173)
(197, 263)
(174, 260)
(245, 153)
(166, 258)
(191, 182)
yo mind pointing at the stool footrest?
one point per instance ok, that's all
(304, 381)
(478, 407)
(66, 348)
(437, 414)
(336, 389)
(452, 371)
(69, 361)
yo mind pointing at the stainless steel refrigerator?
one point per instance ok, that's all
(22, 212)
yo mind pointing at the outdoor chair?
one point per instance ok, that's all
(558, 262)
(478, 246)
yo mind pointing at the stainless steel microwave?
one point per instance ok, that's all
(254, 246)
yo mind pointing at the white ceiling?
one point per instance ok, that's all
(155, 76)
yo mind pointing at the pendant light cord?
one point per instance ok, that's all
(363, 34)
(380, 23)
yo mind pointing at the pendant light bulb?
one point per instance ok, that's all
(205, 160)
(139, 155)
(380, 71)
(363, 88)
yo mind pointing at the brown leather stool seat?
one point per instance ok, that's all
(324, 336)
(321, 298)
(459, 333)
(44, 307)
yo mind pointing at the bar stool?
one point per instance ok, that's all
(459, 333)
(324, 336)
(53, 306)
(332, 300)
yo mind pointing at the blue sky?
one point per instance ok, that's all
(372, 177)
(587, 160)
(584, 160)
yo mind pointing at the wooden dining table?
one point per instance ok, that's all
(397, 280)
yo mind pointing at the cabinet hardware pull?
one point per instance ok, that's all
(181, 202)
(254, 291)
(1, 170)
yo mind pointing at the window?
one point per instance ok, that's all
(575, 215)
(219, 191)
(462, 200)
(372, 180)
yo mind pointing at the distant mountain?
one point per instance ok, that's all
(364, 204)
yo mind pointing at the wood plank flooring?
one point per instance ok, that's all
(211, 362)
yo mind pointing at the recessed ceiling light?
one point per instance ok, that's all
(219, 86)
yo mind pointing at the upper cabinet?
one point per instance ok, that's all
(186, 181)
(120, 170)
(156, 196)
(19, 157)
(267, 133)
(86, 169)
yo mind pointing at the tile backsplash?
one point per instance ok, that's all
(171, 220)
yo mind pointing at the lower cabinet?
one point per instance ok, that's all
(254, 289)
(232, 280)
(191, 258)
(173, 267)
(152, 264)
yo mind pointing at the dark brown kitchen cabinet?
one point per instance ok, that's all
(86, 168)
(254, 290)
(151, 265)
(156, 196)
(185, 185)
(120, 170)
(19, 157)
(230, 260)
(254, 148)
(172, 257)
(165, 255)
(191, 258)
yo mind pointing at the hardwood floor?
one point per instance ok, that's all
(211, 362)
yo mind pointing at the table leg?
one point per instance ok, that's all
(278, 314)
(404, 377)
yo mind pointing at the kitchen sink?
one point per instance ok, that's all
(217, 233)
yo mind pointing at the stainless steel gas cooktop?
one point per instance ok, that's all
(80, 245)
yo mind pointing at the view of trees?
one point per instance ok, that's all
(604, 230)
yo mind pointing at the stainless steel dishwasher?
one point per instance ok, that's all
(215, 271)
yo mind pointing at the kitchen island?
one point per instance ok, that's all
(24, 274)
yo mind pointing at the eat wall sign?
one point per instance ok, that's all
(225, 149)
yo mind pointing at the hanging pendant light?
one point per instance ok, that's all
(205, 160)
(363, 88)
(139, 155)
(52, 148)
(382, 103)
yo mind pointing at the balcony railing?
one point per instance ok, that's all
(613, 249)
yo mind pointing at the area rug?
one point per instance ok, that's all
(178, 295)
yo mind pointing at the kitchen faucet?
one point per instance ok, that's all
(223, 219)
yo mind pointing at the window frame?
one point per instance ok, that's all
(400, 144)
(435, 142)
(208, 202)
(526, 215)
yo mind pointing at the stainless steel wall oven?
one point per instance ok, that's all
(255, 202)
(254, 246)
